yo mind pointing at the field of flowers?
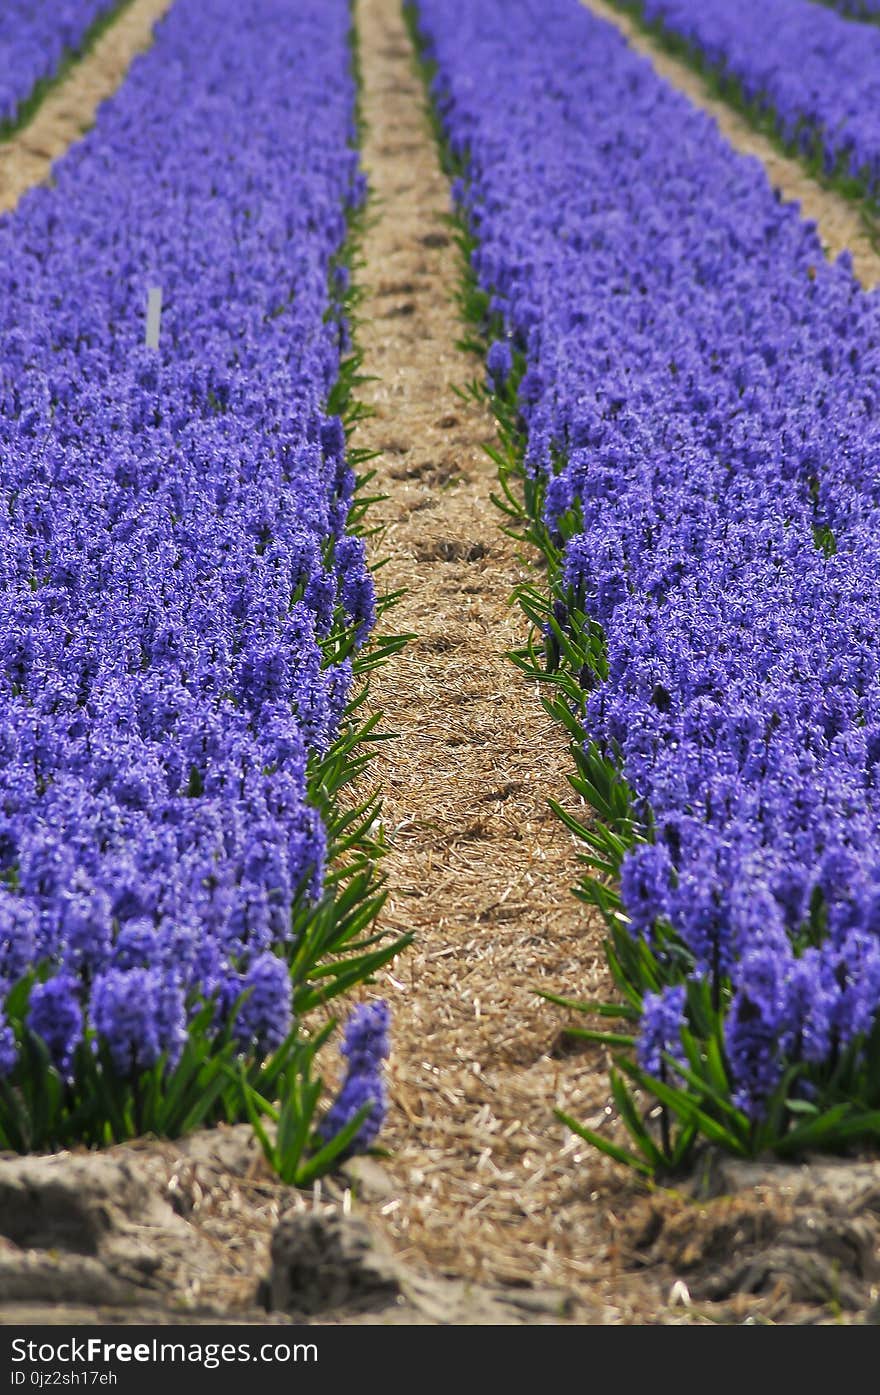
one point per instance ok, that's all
(687, 403)
(182, 604)
(35, 40)
(814, 75)
(691, 383)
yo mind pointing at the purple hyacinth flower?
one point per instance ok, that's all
(499, 362)
(366, 1046)
(55, 1014)
(663, 1016)
(8, 1048)
(265, 1017)
(139, 1013)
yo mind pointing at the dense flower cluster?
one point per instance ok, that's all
(815, 71)
(35, 37)
(365, 1047)
(662, 1020)
(703, 385)
(171, 548)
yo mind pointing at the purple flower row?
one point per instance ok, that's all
(172, 546)
(814, 71)
(35, 38)
(701, 385)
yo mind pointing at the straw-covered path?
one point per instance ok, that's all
(488, 1183)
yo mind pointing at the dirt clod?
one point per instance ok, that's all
(326, 1261)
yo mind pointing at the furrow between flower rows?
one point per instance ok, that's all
(695, 388)
(180, 601)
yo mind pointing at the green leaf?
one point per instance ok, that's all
(211, 1082)
(604, 1144)
(686, 1110)
(603, 1038)
(625, 1010)
(323, 1159)
(248, 1095)
(636, 1126)
(828, 1129)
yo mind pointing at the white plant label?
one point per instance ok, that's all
(154, 316)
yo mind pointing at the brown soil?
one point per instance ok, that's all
(841, 223)
(69, 109)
